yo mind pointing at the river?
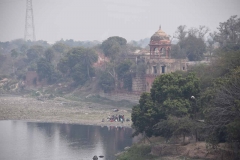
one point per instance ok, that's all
(21, 140)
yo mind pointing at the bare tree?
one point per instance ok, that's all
(226, 105)
(181, 32)
(202, 31)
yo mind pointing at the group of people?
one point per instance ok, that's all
(116, 118)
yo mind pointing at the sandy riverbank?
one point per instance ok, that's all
(59, 110)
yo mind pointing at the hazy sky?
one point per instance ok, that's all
(100, 19)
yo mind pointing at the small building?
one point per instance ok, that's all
(158, 61)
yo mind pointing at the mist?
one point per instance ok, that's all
(99, 19)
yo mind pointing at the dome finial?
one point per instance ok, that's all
(160, 27)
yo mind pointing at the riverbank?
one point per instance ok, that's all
(59, 110)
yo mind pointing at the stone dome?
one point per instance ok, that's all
(159, 35)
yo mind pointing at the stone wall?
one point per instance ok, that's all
(138, 84)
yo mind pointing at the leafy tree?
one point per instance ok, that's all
(123, 72)
(225, 110)
(63, 65)
(170, 96)
(174, 126)
(49, 54)
(123, 68)
(79, 63)
(44, 69)
(193, 47)
(14, 53)
(228, 35)
(79, 74)
(181, 32)
(190, 43)
(145, 115)
(34, 52)
(106, 82)
(177, 52)
(2, 59)
(89, 57)
(60, 47)
(113, 46)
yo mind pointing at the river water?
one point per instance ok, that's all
(20, 140)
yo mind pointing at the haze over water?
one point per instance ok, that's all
(50, 141)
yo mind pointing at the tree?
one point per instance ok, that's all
(2, 59)
(174, 126)
(44, 69)
(225, 111)
(79, 73)
(14, 53)
(191, 43)
(49, 54)
(60, 47)
(193, 47)
(228, 35)
(124, 74)
(170, 96)
(106, 82)
(177, 52)
(63, 66)
(145, 115)
(89, 57)
(34, 52)
(78, 63)
(113, 46)
(181, 32)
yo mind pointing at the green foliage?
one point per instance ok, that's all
(60, 47)
(46, 70)
(174, 126)
(127, 81)
(14, 53)
(123, 72)
(106, 82)
(177, 52)
(174, 87)
(2, 59)
(191, 43)
(49, 54)
(63, 65)
(78, 64)
(34, 52)
(123, 68)
(193, 47)
(79, 73)
(113, 46)
(228, 35)
(170, 96)
(145, 115)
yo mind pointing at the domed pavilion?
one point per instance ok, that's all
(160, 45)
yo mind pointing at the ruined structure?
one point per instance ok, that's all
(158, 61)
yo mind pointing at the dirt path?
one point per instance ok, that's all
(58, 110)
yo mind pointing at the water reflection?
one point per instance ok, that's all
(29, 140)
